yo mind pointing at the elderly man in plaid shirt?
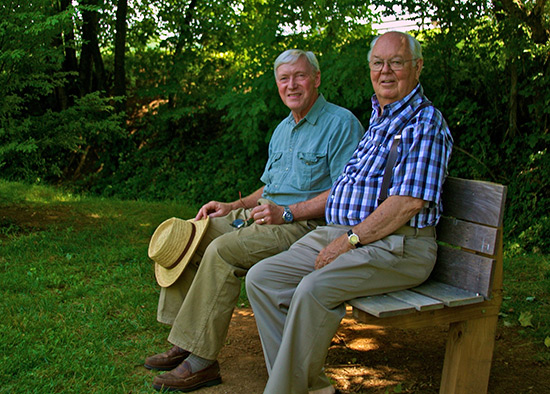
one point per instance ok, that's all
(371, 244)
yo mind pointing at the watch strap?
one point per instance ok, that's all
(356, 244)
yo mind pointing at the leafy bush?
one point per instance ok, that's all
(55, 145)
(217, 102)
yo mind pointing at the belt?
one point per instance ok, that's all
(416, 232)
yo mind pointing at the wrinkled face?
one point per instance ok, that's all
(393, 85)
(297, 84)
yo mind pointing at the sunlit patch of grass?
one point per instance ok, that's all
(79, 296)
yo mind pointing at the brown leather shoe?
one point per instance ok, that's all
(168, 360)
(182, 379)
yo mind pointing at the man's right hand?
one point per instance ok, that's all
(214, 209)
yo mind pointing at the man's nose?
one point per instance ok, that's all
(386, 68)
(292, 82)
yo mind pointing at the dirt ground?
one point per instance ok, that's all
(368, 359)
(362, 358)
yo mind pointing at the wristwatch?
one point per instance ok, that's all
(354, 239)
(288, 217)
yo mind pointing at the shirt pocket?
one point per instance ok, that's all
(312, 171)
(368, 164)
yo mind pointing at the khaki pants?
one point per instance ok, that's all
(199, 305)
(298, 309)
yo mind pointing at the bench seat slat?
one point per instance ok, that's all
(419, 301)
(449, 295)
(382, 306)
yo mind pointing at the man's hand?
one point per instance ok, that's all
(331, 252)
(213, 209)
(267, 214)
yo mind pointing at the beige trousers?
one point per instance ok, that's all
(199, 305)
(298, 309)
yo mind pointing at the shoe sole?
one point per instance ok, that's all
(210, 383)
(167, 368)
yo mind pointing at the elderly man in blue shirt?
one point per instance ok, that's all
(371, 244)
(307, 152)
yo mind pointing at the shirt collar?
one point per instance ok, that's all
(396, 107)
(315, 111)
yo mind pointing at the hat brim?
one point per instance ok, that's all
(166, 277)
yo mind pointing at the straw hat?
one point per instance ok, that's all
(172, 246)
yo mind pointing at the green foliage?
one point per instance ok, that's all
(187, 161)
(50, 146)
(202, 102)
(29, 60)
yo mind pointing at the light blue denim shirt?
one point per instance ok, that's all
(306, 158)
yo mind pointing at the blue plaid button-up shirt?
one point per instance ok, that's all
(420, 169)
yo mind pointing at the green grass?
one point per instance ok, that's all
(526, 302)
(79, 298)
(78, 293)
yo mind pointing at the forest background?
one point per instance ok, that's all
(174, 99)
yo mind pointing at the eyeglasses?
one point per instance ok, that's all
(239, 223)
(394, 64)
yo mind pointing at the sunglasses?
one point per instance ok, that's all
(240, 223)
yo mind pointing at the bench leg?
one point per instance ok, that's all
(468, 356)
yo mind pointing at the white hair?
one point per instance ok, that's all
(291, 56)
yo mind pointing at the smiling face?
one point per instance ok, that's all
(391, 85)
(297, 83)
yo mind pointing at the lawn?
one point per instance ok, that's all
(78, 291)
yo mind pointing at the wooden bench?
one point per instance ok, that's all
(464, 290)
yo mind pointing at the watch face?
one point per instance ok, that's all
(287, 215)
(353, 239)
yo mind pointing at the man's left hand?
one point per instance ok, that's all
(331, 252)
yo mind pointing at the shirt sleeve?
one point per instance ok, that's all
(342, 145)
(425, 152)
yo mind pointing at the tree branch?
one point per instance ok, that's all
(533, 20)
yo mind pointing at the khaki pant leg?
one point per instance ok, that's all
(202, 321)
(316, 306)
(171, 298)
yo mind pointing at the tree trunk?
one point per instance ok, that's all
(181, 41)
(92, 71)
(65, 93)
(120, 49)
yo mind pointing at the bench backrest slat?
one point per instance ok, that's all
(475, 201)
(465, 270)
(467, 235)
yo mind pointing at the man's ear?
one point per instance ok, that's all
(419, 65)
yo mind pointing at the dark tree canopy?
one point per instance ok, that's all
(176, 99)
